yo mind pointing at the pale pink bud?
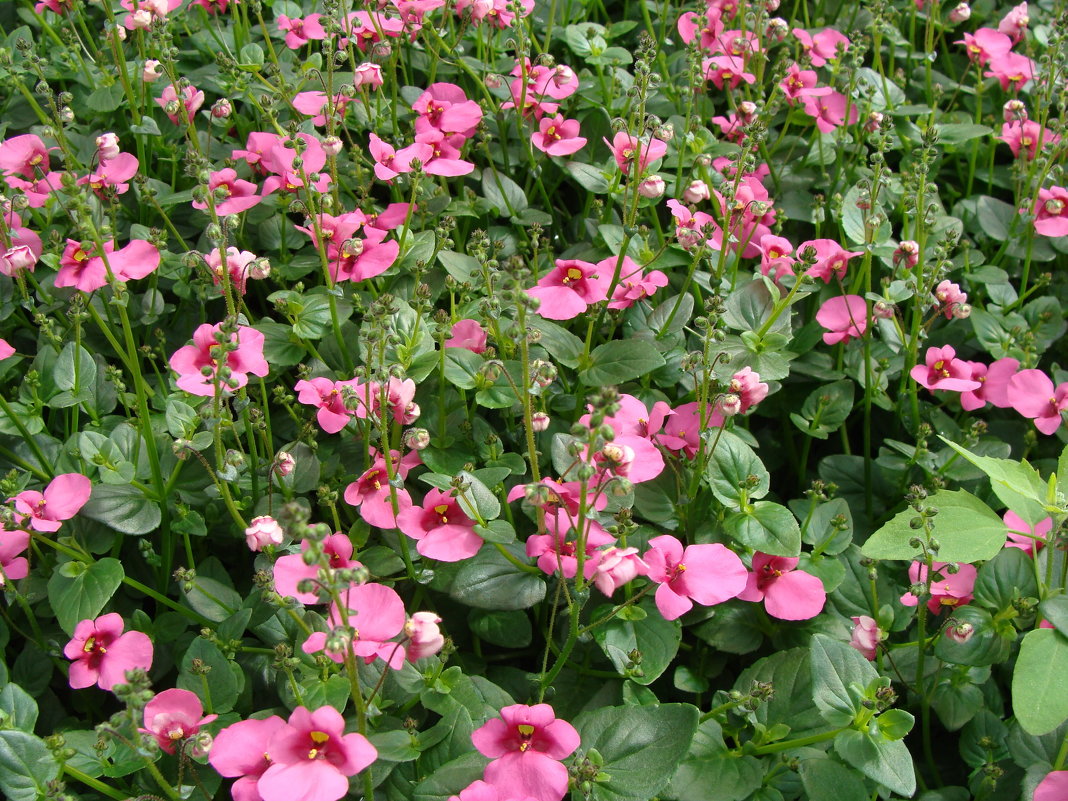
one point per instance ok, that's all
(141, 20)
(493, 81)
(652, 187)
(907, 252)
(730, 405)
(416, 439)
(882, 310)
(259, 268)
(1014, 110)
(962, 311)
(332, 145)
(746, 112)
(152, 71)
(16, 260)
(960, 632)
(284, 463)
(263, 531)
(704, 160)
(222, 109)
(696, 192)
(777, 29)
(107, 146)
(201, 745)
(771, 5)
(539, 421)
(961, 13)
(367, 74)
(875, 119)
(866, 636)
(425, 638)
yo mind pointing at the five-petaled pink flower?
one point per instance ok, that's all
(198, 364)
(375, 614)
(173, 717)
(845, 317)
(12, 566)
(312, 757)
(238, 195)
(947, 589)
(866, 636)
(442, 529)
(1033, 395)
(468, 334)
(82, 267)
(1023, 535)
(708, 574)
(557, 136)
(61, 500)
(526, 744)
(943, 370)
(241, 751)
(102, 653)
(325, 394)
(171, 103)
(629, 150)
(787, 593)
(1051, 211)
(832, 260)
(291, 569)
(570, 288)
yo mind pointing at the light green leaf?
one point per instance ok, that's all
(620, 360)
(1040, 682)
(766, 526)
(26, 766)
(835, 667)
(1017, 484)
(84, 595)
(730, 466)
(655, 639)
(886, 761)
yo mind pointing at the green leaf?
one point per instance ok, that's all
(986, 646)
(312, 318)
(791, 674)
(766, 526)
(588, 177)
(509, 629)
(1055, 610)
(105, 98)
(620, 360)
(477, 501)
(887, 762)
(19, 708)
(459, 265)
(496, 531)
(710, 772)
(748, 308)
(819, 532)
(956, 704)
(85, 595)
(1009, 575)
(503, 193)
(462, 367)
(562, 345)
(828, 778)
(825, 409)
(182, 419)
(76, 378)
(965, 527)
(1017, 484)
(213, 599)
(950, 133)
(124, 509)
(730, 466)
(835, 667)
(895, 723)
(489, 581)
(994, 217)
(26, 766)
(657, 641)
(1040, 682)
(640, 745)
(222, 682)
(450, 778)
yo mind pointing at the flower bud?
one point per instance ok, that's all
(696, 192)
(259, 268)
(331, 145)
(367, 74)
(262, 532)
(416, 439)
(284, 463)
(1014, 111)
(107, 146)
(222, 109)
(960, 13)
(539, 421)
(151, 71)
(652, 187)
(960, 632)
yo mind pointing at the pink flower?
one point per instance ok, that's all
(191, 98)
(1033, 395)
(845, 317)
(399, 397)
(82, 268)
(775, 258)
(198, 364)
(1014, 24)
(444, 107)
(947, 589)
(173, 717)
(12, 566)
(280, 161)
(866, 636)
(1011, 69)
(61, 500)
(317, 106)
(375, 614)
(312, 757)
(112, 174)
(558, 136)
(556, 551)
(444, 157)
(291, 569)
(823, 46)
(829, 110)
(832, 260)
(616, 567)
(102, 653)
(390, 163)
(1024, 536)
(325, 394)
(299, 31)
(444, 532)
(627, 150)
(570, 288)
(1052, 788)
(993, 384)
(707, 574)
(6, 350)
(21, 252)
(682, 429)
(949, 298)
(263, 531)
(240, 264)
(1025, 137)
(367, 74)
(943, 370)
(788, 594)
(239, 195)
(726, 72)
(467, 334)
(371, 493)
(693, 229)
(800, 83)
(241, 750)
(24, 155)
(747, 385)
(424, 637)
(526, 744)
(1051, 217)
(985, 44)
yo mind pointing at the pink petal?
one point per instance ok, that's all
(795, 596)
(66, 494)
(671, 605)
(522, 774)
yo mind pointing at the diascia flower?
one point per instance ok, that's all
(442, 529)
(173, 717)
(570, 288)
(312, 757)
(943, 370)
(787, 593)
(708, 574)
(64, 496)
(947, 589)
(526, 744)
(82, 268)
(241, 750)
(291, 569)
(102, 653)
(197, 364)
